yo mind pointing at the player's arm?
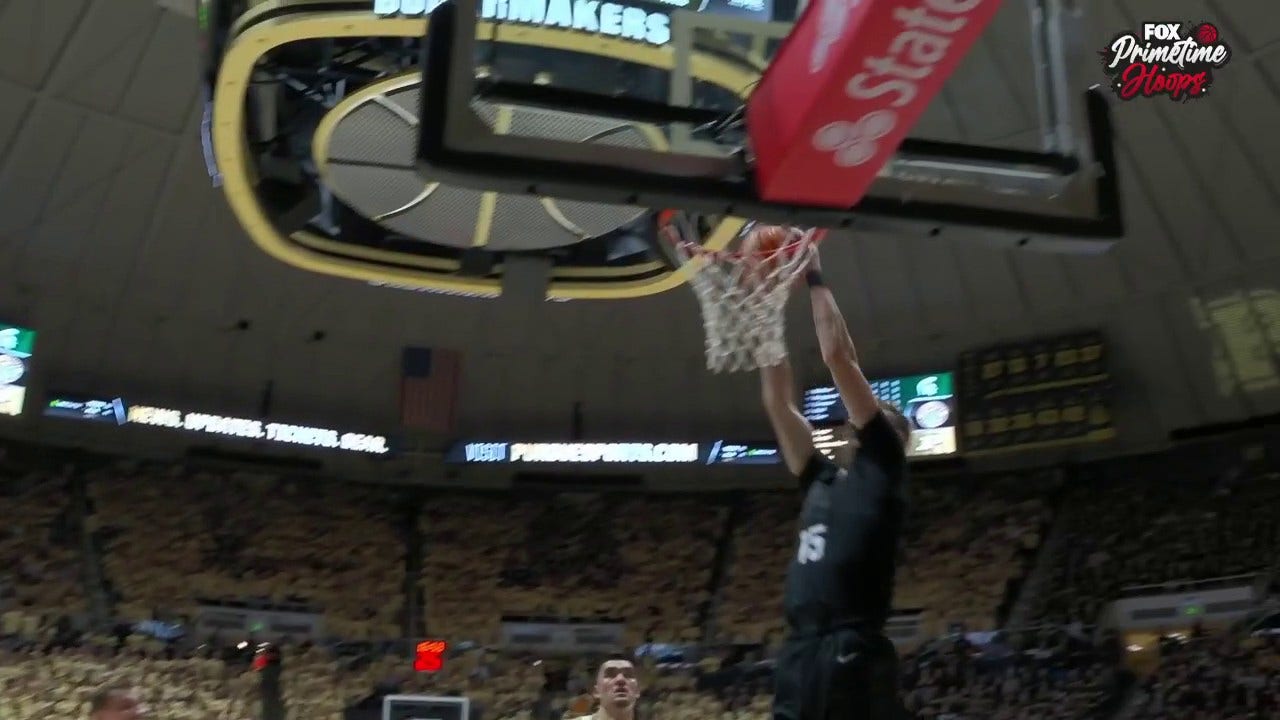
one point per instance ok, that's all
(794, 433)
(838, 351)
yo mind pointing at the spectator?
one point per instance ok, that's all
(1135, 531)
(115, 703)
(1226, 677)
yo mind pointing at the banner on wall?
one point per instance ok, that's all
(563, 637)
(260, 623)
(719, 452)
(647, 21)
(118, 412)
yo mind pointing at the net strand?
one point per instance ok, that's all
(743, 297)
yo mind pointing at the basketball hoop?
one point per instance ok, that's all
(742, 293)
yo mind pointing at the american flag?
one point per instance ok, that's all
(429, 389)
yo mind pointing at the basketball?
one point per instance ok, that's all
(763, 250)
(764, 244)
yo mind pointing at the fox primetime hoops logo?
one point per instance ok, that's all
(1165, 58)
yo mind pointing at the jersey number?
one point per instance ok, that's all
(813, 544)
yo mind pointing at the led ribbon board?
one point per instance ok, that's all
(257, 430)
(647, 21)
(720, 452)
(79, 407)
(117, 411)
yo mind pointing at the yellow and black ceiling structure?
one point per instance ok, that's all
(331, 188)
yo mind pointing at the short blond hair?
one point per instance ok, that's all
(896, 419)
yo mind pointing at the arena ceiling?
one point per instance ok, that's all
(114, 245)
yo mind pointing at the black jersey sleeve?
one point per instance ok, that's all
(818, 469)
(879, 443)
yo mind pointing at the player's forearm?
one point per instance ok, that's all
(833, 334)
(777, 386)
(794, 434)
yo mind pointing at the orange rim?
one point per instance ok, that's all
(799, 239)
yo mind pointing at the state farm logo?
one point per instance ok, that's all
(855, 143)
(892, 75)
(1165, 58)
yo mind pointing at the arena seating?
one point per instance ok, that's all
(739, 692)
(40, 559)
(316, 684)
(173, 536)
(467, 539)
(500, 686)
(1223, 677)
(750, 604)
(646, 560)
(36, 683)
(1150, 530)
(965, 543)
(1056, 680)
(173, 539)
(1050, 675)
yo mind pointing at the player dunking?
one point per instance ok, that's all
(836, 663)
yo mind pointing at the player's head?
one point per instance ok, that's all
(617, 688)
(897, 420)
(115, 703)
(847, 433)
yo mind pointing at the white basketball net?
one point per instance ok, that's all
(743, 296)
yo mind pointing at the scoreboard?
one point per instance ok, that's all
(928, 402)
(1039, 393)
(17, 345)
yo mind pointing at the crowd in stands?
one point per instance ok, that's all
(1056, 676)
(967, 546)
(750, 604)
(175, 540)
(169, 540)
(40, 681)
(966, 543)
(466, 540)
(1125, 531)
(645, 560)
(318, 684)
(1222, 677)
(40, 559)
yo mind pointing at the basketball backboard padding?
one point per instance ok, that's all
(457, 148)
(822, 122)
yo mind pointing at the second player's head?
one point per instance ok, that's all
(617, 688)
